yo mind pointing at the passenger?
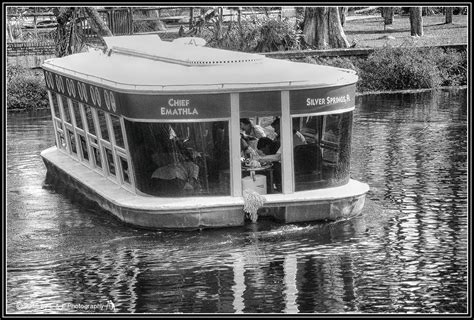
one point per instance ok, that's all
(270, 148)
(298, 137)
(272, 153)
(250, 130)
(244, 148)
(246, 151)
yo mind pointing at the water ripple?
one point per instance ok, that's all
(406, 253)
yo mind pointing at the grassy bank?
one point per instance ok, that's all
(371, 33)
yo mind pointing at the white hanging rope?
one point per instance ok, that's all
(252, 202)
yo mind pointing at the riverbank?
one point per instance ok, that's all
(391, 64)
(370, 32)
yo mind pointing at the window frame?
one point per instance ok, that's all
(93, 141)
(326, 146)
(64, 131)
(61, 131)
(124, 151)
(70, 127)
(180, 121)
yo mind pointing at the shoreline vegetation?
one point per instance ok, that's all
(396, 65)
(386, 70)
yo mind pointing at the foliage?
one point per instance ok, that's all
(256, 34)
(13, 71)
(411, 68)
(25, 89)
(146, 26)
(147, 20)
(403, 68)
(397, 68)
(278, 35)
(452, 65)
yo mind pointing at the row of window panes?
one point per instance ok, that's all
(324, 147)
(189, 159)
(74, 125)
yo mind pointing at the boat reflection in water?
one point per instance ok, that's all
(150, 130)
(217, 272)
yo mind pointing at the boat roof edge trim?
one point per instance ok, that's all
(207, 88)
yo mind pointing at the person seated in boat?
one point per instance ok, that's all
(271, 151)
(246, 151)
(251, 132)
(298, 137)
(244, 148)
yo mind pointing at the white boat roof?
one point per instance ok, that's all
(146, 63)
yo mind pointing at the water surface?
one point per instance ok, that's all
(406, 253)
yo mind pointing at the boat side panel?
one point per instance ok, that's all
(151, 219)
(317, 211)
(329, 204)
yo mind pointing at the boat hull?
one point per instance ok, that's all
(201, 212)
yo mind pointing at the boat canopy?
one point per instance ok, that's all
(145, 63)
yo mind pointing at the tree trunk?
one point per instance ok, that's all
(416, 21)
(322, 28)
(191, 17)
(337, 37)
(219, 23)
(69, 38)
(316, 27)
(387, 14)
(449, 14)
(101, 28)
(63, 15)
(342, 14)
(241, 32)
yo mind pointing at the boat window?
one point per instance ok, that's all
(85, 152)
(77, 114)
(67, 114)
(72, 141)
(90, 120)
(117, 128)
(260, 137)
(124, 168)
(96, 154)
(331, 129)
(110, 161)
(54, 99)
(323, 160)
(59, 124)
(61, 139)
(103, 125)
(180, 159)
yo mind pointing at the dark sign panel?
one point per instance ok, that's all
(83, 92)
(175, 107)
(322, 99)
(258, 104)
